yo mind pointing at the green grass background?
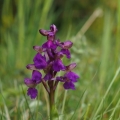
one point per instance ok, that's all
(94, 28)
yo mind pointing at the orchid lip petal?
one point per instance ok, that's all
(72, 76)
(58, 65)
(66, 52)
(39, 61)
(69, 85)
(32, 92)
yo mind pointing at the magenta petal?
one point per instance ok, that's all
(69, 85)
(53, 28)
(48, 76)
(29, 82)
(32, 92)
(60, 79)
(51, 36)
(49, 45)
(38, 49)
(44, 32)
(67, 44)
(39, 61)
(72, 76)
(58, 65)
(66, 52)
(36, 76)
(59, 55)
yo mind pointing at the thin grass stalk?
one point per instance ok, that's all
(5, 107)
(117, 47)
(87, 111)
(72, 117)
(32, 28)
(64, 99)
(98, 12)
(111, 116)
(106, 44)
(82, 113)
(115, 97)
(21, 31)
(106, 93)
(31, 115)
(43, 17)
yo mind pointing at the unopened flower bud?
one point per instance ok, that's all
(71, 66)
(38, 49)
(53, 28)
(29, 83)
(44, 32)
(67, 44)
(31, 67)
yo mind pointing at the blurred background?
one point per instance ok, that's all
(94, 28)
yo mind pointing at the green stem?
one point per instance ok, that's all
(53, 111)
(51, 99)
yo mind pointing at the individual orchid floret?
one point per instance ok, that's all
(69, 79)
(32, 82)
(39, 61)
(65, 47)
(58, 65)
(71, 76)
(36, 79)
(52, 31)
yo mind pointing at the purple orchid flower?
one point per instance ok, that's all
(32, 82)
(49, 59)
(40, 61)
(69, 79)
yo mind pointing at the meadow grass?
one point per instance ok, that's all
(97, 94)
